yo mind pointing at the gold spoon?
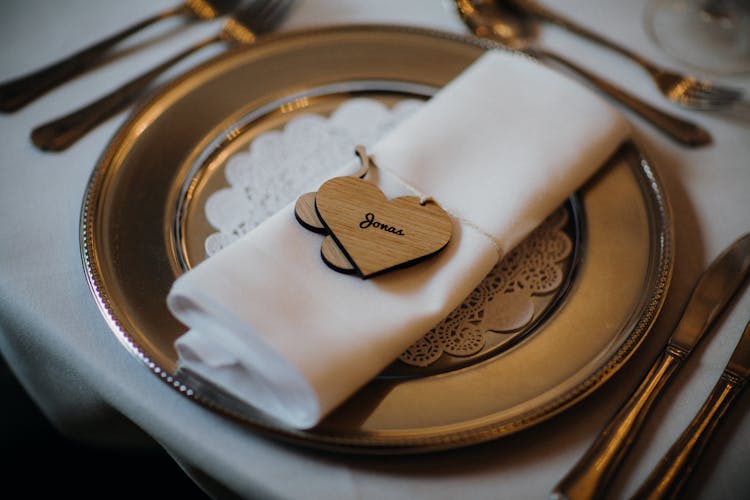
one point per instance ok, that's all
(20, 91)
(240, 29)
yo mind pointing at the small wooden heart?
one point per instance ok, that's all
(332, 255)
(304, 211)
(377, 234)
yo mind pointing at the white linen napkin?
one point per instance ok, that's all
(499, 148)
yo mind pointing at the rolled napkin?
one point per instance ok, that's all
(499, 148)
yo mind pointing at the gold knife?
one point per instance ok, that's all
(716, 286)
(668, 478)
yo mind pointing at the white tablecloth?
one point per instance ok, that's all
(58, 345)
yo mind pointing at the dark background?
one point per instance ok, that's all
(36, 461)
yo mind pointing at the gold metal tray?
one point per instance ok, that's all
(142, 224)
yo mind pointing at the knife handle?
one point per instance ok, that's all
(591, 475)
(61, 133)
(683, 131)
(668, 478)
(17, 93)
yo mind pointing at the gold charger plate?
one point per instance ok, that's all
(142, 225)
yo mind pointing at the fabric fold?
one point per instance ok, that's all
(500, 148)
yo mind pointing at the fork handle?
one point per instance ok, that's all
(683, 131)
(61, 133)
(593, 472)
(15, 94)
(541, 12)
(668, 478)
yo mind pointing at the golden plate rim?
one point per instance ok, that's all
(389, 443)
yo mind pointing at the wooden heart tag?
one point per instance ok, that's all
(377, 234)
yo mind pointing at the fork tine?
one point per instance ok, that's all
(693, 93)
(696, 94)
(272, 14)
(248, 14)
(262, 15)
(703, 103)
(713, 92)
(708, 102)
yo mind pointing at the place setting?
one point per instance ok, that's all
(389, 239)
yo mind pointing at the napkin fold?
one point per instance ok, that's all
(499, 148)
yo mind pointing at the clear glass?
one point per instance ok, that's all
(710, 35)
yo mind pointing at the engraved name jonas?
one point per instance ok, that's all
(369, 221)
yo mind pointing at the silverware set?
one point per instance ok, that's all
(248, 19)
(591, 476)
(240, 29)
(669, 476)
(18, 92)
(682, 89)
(510, 24)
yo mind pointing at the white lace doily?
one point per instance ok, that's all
(279, 166)
(502, 302)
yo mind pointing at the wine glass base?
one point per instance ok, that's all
(713, 40)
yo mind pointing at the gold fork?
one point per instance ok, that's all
(681, 89)
(20, 91)
(240, 29)
(485, 21)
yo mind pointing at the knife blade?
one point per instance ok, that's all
(714, 289)
(673, 470)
